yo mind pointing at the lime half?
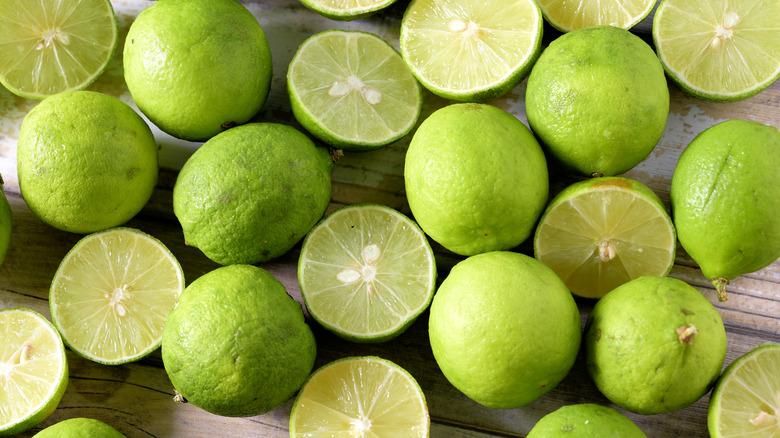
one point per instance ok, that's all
(719, 50)
(746, 399)
(345, 10)
(112, 293)
(360, 397)
(50, 46)
(366, 272)
(568, 15)
(33, 369)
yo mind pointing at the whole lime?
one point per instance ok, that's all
(86, 161)
(597, 99)
(504, 329)
(196, 67)
(476, 178)
(725, 198)
(586, 420)
(251, 193)
(5, 223)
(237, 344)
(79, 427)
(654, 345)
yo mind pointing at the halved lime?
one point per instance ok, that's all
(366, 272)
(352, 90)
(360, 397)
(111, 294)
(746, 399)
(719, 50)
(471, 50)
(345, 10)
(602, 232)
(33, 369)
(50, 46)
(568, 15)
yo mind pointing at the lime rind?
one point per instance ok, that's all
(346, 10)
(567, 16)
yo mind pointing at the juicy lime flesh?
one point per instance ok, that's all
(360, 397)
(603, 238)
(366, 272)
(346, 9)
(51, 46)
(720, 49)
(112, 293)
(571, 15)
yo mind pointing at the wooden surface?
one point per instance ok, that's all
(137, 398)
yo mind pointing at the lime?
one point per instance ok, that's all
(725, 197)
(251, 193)
(504, 329)
(462, 172)
(352, 90)
(471, 50)
(598, 100)
(79, 428)
(86, 161)
(237, 344)
(111, 294)
(600, 233)
(586, 420)
(566, 15)
(360, 397)
(723, 50)
(654, 345)
(366, 272)
(51, 46)
(746, 399)
(33, 369)
(5, 223)
(197, 67)
(346, 10)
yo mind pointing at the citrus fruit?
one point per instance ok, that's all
(5, 224)
(567, 16)
(33, 369)
(346, 10)
(366, 272)
(236, 344)
(352, 90)
(462, 172)
(197, 67)
(360, 397)
(111, 294)
(86, 161)
(504, 329)
(602, 232)
(654, 345)
(725, 198)
(471, 50)
(720, 51)
(251, 193)
(585, 420)
(79, 427)
(597, 98)
(51, 46)
(745, 401)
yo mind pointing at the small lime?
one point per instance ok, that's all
(586, 420)
(568, 15)
(346, 10)
(79, 427)
(5, 224)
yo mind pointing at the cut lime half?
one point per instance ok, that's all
(33, 369)
(366, 272)
(112, 293)
(50, 46)
(568, 15)
(366, 397)
(345, 10)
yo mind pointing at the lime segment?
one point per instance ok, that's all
(112, 293)
(566, 15)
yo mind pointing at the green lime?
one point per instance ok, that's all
(197, 67)
(725, 52)
(471, 50)
(567, 15)
(5, 224)
(51, 46)
(79, 427)
(602, 232)
(725, 197)
(33, 369)
(462, 172)
(597, 98)
(366, 272)
(654, 345)
(352, 90)
(586, 420)
(111, 294)
(346, 10)
(746, 399)
(360, 397)
(251, 193)
(237, 344)
(504, 329)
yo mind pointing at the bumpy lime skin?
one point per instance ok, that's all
(586, 420)
(79, 428)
